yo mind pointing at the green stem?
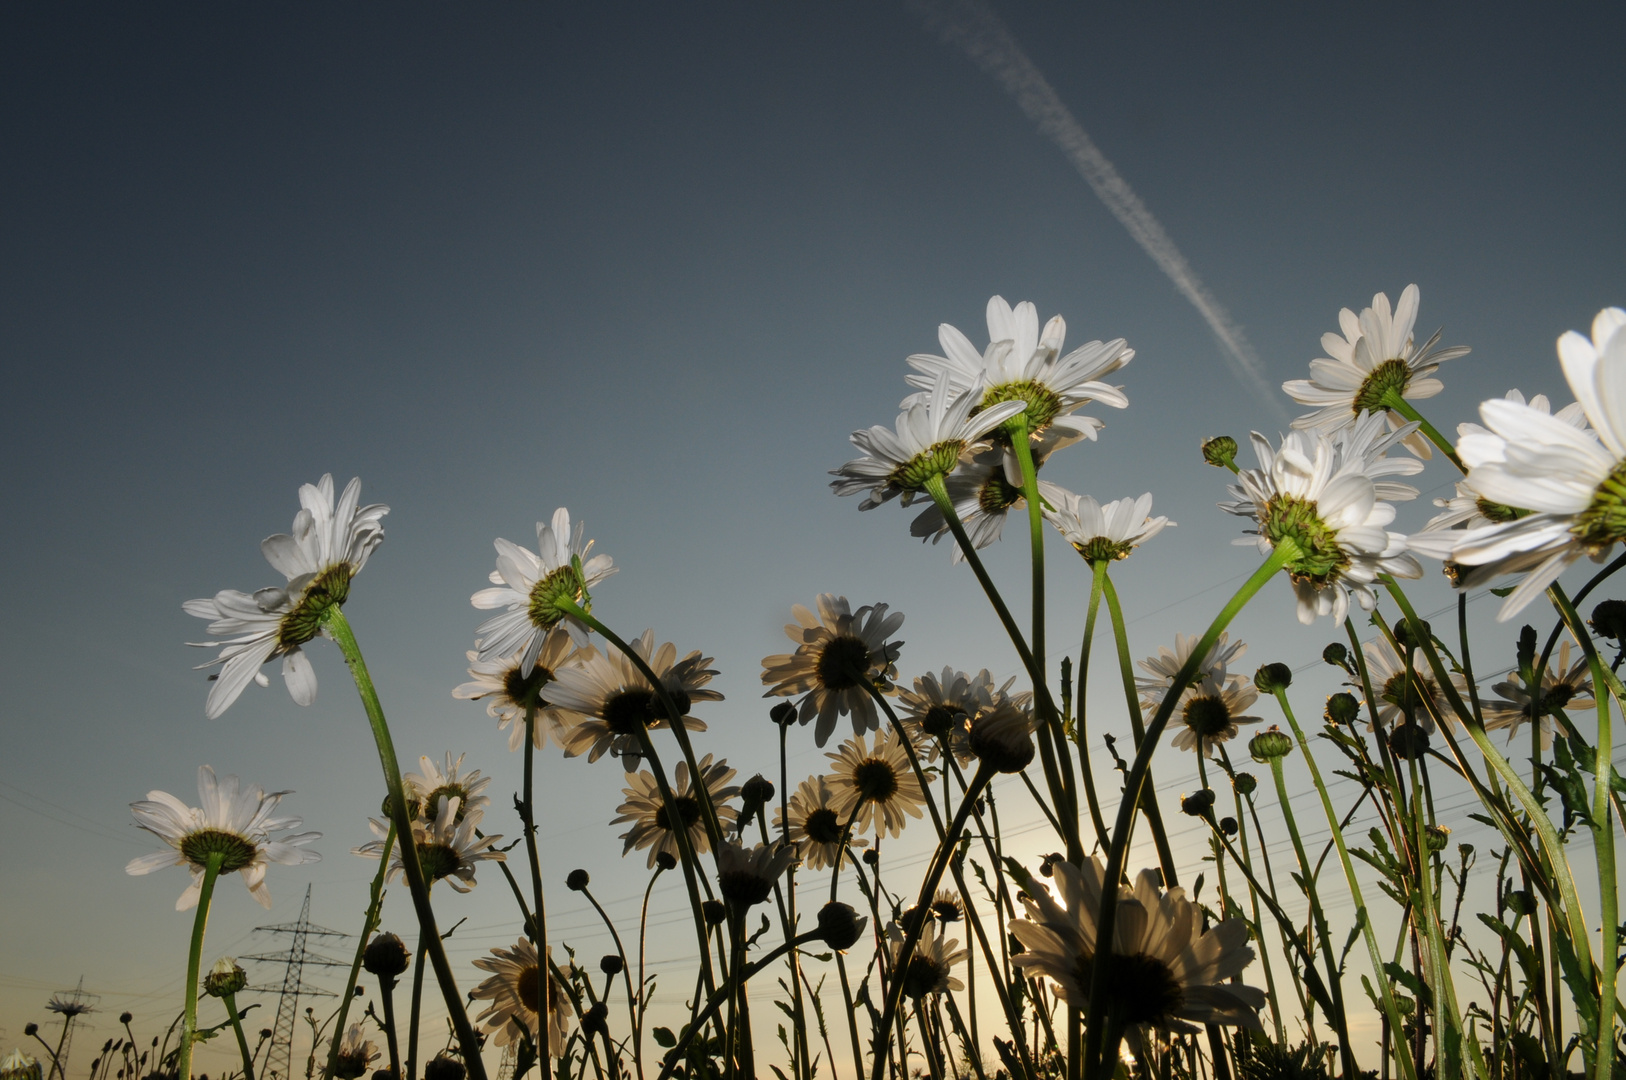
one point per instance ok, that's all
(1081, 731)
(1126, 670)
(1393, 400)
(369, 923)
(194, 956)
(242, 1042)
(339, 627)
(1100, 1060)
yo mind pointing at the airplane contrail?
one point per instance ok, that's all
(974, 27)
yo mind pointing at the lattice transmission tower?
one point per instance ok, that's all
(71, 1005)
(278, 1062)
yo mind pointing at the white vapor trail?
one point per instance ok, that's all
(974, 27)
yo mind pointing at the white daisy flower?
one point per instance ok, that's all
(610, 698)
(875, 786)
(1001, 735)
(927, 441)
(1467, 509)
(436, 783)
(448, 848)
(1399, 701)
(234, 821)
(509, 693)
(530, 586)
(515, 993)
(1162, 668)
(328, 547)
(1375, 355)
(1321, 493)
(1572, 481)
(1209, 711)
(938, 711)
(1020, 364)
(653, 820)
(815, 824)
(985, 490)
(839, 655)
(1564, 686)
(1166, 972)
(356, 1055)
(1105, 532)
(746, 876)
(931, 965)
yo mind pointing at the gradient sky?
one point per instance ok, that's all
(654, 262)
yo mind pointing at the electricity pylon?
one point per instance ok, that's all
(279, 1059)
(72, 1005)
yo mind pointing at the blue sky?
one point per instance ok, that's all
(654, 263)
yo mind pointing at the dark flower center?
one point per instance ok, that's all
(326, 591)
(941, 720)
(1144, 990)
(822, 826)
(923, 977)
(946, 910)
(526, 691)
(438, 860)
(682, 813)
(843, 663)
(1207, 716)
(529, 987)
(431, 803)
(1389, 375)
(235, 851)
(875, 780)
(625, 712)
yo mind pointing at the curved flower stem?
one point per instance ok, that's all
(1101, 1059)
(1149, 807)
(1393, 400)
(537, 928)
(1246, 865)
(1361, 917)
(841, 849)
(928, 888)
(194, 956)
(369, 923)
(339, 627)
(230, 1001)
(804, 1068)
(1081, 730)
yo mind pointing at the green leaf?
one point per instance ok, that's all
(664, 1037)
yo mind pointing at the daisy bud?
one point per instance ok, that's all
(610, 964)
(1609, 619)
(225, 978)
(31, 1030)
(1437, 837)
(714, 912)
(1335, 655)
(444, 1067)
(1047, 865)
(1408, 741)
(1273, 677)
(593, 1020)
(1271, 744)
(1228, 826)
(125, 1018)
(1199, 804)
(386, 956)
(782, 713)
(1002, 738)
(840, 926)
(577, 880)
(1342, 709)
(1243, 783)
(755, 793)
(872, 857)
(912, 919)
(1220, 451)
(19, 1066)
(1407, 639)
(665, 860)
(265, 1033)
(1519, 902)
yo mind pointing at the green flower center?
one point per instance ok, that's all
(1144, 990)
(1207, 716)
(438, 860)
(626, 712)
(1495, 511)
(432, 802)
(526, 691)
(1553, 697)
(683, 813)
(326, 591)
(843, 663)
(875, 780)
(822, 826)
(997, 495)
(561, 584)
(1604, 521)
(1102, 549)
(235, 851)
(938, 459)
(1390, 375)
(923, 977)
(1043, 404)
(1288, 517)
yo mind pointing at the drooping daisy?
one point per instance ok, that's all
(1563, 686)
(235, 821)
(1400, 699)
(510, 693)
(448, 849)
(1162, 668)
(985, 490)
(655, 825)
(938, 711)
(931, 965)
(1107, 532)
(840, 654)
(356, 1055)
(437, 783)
(1572, 481)
(815, 824)
(611, 698)
(1210, 710)
(746, 876)
(926, 442)
(328, 547)
(515, 992)
(1166, 972)
(531, 585)
(1001, 733)
(1022, 365)
(875, 786)
(1375, 355)
(1320, 493)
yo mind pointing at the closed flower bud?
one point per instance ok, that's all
(1407, 639)
(782, 713)
(1271, 744)
(840, 926)
(593, 1020)
(1609, 619)
(577, 880)
(1220, 451)
(755, 792)
(1228, 826)
(1243, 783)
(125, 1018)
(665, 860)
(225, 978)
(1273, 677)
(386, 956)
(1198, 803)
(444, 1067)
(1408, 741)
(1437, 837)
(1520, 903)
(1002, 738)
(872, 857)
(1335, 654)
(33, 1029)
(714, 911)
(610, 964)
(1342, 709)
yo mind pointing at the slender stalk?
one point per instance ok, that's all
(412, 1020)
(537, 929)
(1393, 400)
(369, 923)
(804, 1067)
(230, 1001)
(194, 956)
(339, 627)
(386, 991)
(1081, 735)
